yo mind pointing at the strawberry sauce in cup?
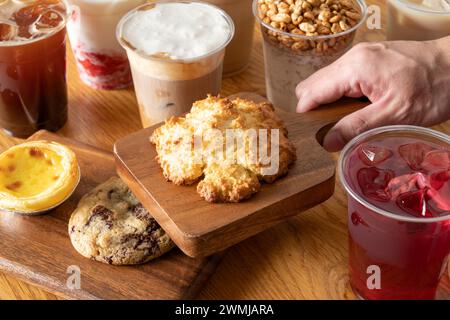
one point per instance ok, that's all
(101, 61)
(398, 184)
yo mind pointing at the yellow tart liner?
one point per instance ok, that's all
(55, 194)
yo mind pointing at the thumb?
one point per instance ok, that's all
(352, 125)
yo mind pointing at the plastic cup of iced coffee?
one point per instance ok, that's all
(176, 51)
(398, 184)
(101, 61)
(238, 53)
(301, 37)
(418, 19)
(33, 89)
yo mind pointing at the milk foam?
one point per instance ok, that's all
(179, 30)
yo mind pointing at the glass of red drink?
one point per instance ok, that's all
(398, 184)
(33, 90)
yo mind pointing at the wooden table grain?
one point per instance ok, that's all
(302, 258)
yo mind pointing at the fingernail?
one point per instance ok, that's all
(333, 141)
(300, 108)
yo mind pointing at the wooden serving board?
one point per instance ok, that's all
(200, 228)
(37, 249)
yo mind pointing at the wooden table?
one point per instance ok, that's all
(302, 258)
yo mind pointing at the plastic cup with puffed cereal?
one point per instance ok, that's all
(301, 37)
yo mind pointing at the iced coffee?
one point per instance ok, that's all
(176, 52)
(302, 36)
(101, 61)
(237, 56)
(33, 91)
(418, 19)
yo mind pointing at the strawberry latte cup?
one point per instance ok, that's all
(398, 184)
(101, 61)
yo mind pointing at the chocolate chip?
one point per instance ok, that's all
(109, 260)
(72, 230)
(147, 240)
(141, 213)
(153, 226)
(104, 214)
(102, 211)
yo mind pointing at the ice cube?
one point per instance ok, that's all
(436, 160)
(437, 201)
(438, 179)
(407, 183)
(7, 31)
(24, 32)
(49, 20)
(372, 154)
(373, 183)
(414, 203)
(30, 13)
(414, 153)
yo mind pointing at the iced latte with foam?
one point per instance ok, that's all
(176, 52)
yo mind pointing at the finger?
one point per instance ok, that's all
(352, 125)
(327, 85)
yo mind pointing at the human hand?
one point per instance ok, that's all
(407, 82)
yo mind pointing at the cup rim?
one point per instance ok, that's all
(414, 7)
(361, 3)
(126, 45)
(394, 128)
(4, 44)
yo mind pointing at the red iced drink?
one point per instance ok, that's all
(102, 63)
(33, 91)
(398, 181)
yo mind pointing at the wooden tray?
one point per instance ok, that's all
(38, 249)
(200, 228)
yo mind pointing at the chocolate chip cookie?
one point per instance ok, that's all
(111, 226)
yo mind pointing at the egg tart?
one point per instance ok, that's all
(37, 176)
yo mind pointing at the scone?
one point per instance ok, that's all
(111, 226)
(235, 175)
